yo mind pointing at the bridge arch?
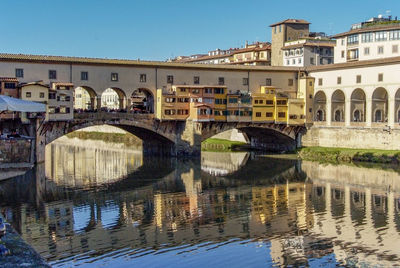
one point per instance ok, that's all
(157, 138)
(379, 105)
(338, 106)
(85, 98)
(274, 137)
(113, 98)
(320, 106)
(142, 100)
(358, 105)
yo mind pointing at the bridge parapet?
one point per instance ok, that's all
(112, 116)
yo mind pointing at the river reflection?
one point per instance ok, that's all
(230, 209)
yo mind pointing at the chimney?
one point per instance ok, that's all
(247, 44)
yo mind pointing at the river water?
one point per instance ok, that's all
(97, 203)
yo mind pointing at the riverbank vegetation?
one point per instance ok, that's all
(323, 154)
(126, 138)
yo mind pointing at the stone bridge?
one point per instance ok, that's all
(172, 138)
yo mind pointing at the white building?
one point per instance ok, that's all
(373, 39)
(308, 52)
(110, 99)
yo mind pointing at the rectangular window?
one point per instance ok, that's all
(52, 74)
(342, 41)
(269, 102)
(233, 100)
(52, 96)
(9, 85)
(84, 76)
(380, 77)
(67, 110)
(268, 82)
(358, 79)
(366, 50)
(19, 73)
(312, 61)
(170, 79)
(394, 35)
(269, 114)
(342, 53)
(221, 81)
(142, 78)
(28, 94)
(245, 81)
(381, 36)
(395, 48)
(258, 114)
(367, 37)
(290, 82)
(281, 114)
(218, 91)
(41, 95)
(380, 50)
(196, 80)
(319, 81)
(299, 60)
(339, 80)
(114, 76)
(208, 90)
(352, 39)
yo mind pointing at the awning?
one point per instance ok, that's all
(17, 105)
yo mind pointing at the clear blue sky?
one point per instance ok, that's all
(157, 30)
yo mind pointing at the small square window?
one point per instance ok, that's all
(84, 76)
(395, 48)
(380, 50)
(114, 76)
(245, 81)
(268, 82)
(290, 82)
(52, 74)
(339, 80)
(358, 79)
(170, 79)
(196, 80)
(28, 94)
(221, 80)
(142, 78)
(380, 77)
(41, 95)
(19, 73)
(366, 50)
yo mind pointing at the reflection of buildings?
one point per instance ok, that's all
(362, 210)
(334, 215)
(79, 163)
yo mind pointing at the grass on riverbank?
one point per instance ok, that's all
(323, 154)
(127, 139)
(221, 145)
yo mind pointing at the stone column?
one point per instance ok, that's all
(92, 103)
(121, 103)
(347, 112)
(368, 112)
(98, 103)
(328, 111)
(391, 112)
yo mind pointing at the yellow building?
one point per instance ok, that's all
(281, 108)
(264, 105)
(220, 104)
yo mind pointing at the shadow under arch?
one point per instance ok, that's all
(358, 105)
(379, 105)
(320, 106)
(338, 106)
(142, 100)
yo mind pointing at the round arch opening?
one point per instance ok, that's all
(338, 106)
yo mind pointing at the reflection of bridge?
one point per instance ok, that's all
(173, 137)
(186, 205)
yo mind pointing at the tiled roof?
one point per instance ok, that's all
(8, 79)
(66, 84)
(123, 62)
(353, 64)
(310, 44)
(378, 27)
(290, 21)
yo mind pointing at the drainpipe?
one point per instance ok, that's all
(248, 81)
